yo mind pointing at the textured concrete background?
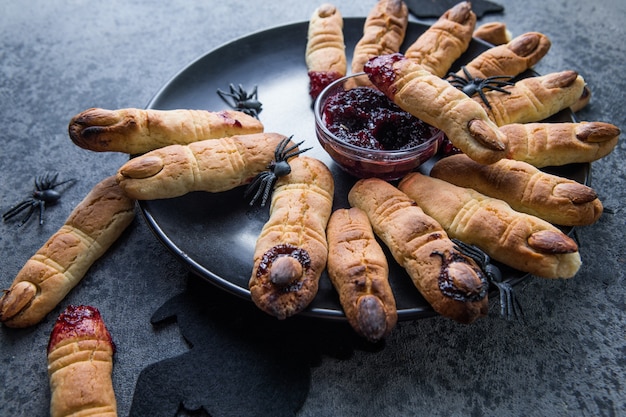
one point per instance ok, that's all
(59, 58)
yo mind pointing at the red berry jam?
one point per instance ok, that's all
(447, 147)
(365, 117)
(379, 70)
(318, 80)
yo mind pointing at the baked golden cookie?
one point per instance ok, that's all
(325, 53)
(445, 41)
(383, 32)
(510, 59)
(62, 262)
(358, 269)
(291, 250)
(522, 241)
(548, 144)
(80, 363)
(452, 283)
(212, 165)
(136, 131)
(525, 188)
(533, 99)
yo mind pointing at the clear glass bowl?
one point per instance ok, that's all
(362, 162)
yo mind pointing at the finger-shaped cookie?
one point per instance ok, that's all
(510, 59)
(62, 262)
(136, 131)
(445, 41)
(525, 188)
(291, 250)
(436, 102)
(556, 144)
(533, 99)
(449, 281)
(522, 241)
(80, 363)
(358, 269)
(383, 32)
(325, 53)
(213, 165)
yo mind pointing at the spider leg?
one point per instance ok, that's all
(496, 83)
(42, 208)
(497, 88)
(45, 181)
(473, 252)
(298, 152)
(224, 96)
(505, 302)
(257, 194)
(280, 149)
(269, 186)
(265, 189)
(518, 313)
(30, 212)
(457, 84)
(12, 212)
(483, 97)
(510, 307)
(263, 184)
(468, 76)
(285, 154)
(456, 80)
(242, 92)
(48, 181)
(259, 178)
(497, 78)
(71, 180)
(224, 93)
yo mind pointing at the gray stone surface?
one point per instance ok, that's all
(59, 58)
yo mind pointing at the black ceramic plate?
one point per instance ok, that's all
(215, 234)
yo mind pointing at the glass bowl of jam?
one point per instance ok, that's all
(367, 134)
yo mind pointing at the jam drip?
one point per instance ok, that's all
(380, 71)
(79, 323)
(318, 80)
(366, 118)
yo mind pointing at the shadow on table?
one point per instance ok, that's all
(241, 361)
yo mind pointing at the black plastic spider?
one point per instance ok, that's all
(510, 307)
(279, 167)
(471, 86)
(241, 100)
(43, 195)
